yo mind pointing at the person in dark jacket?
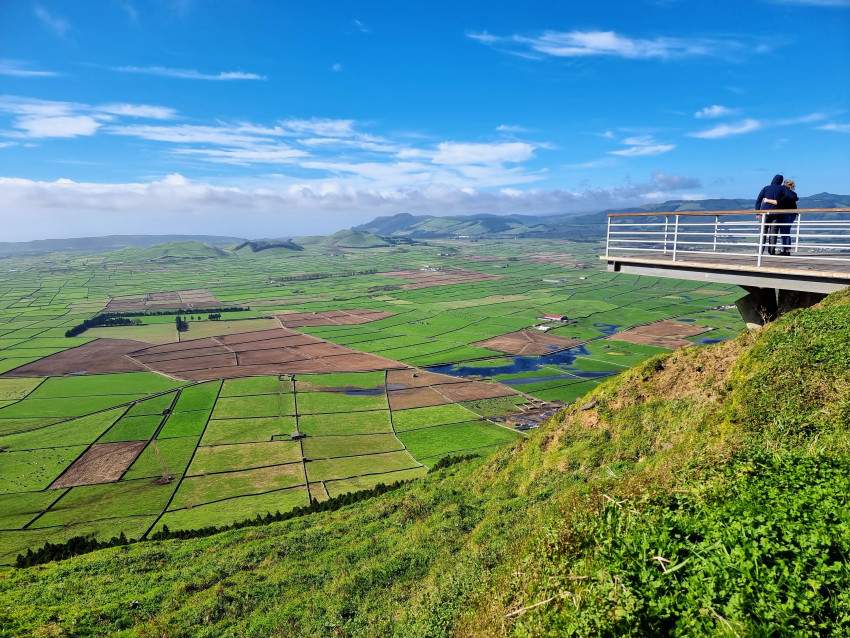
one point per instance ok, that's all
(785, 220)
(768, 199)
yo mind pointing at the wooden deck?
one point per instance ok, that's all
(795, 272)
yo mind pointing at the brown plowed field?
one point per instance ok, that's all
(197, 298)
(192, 344)
(526, 342)
(475, 390)
(428, 278)
(349, 317)
(415, 398)
(101, 463)
(258, 335)
(282, 342)
(277, 351)
(100, 356)
(410, 378)
(664, 334)
(263, 357)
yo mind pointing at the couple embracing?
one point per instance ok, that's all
(778, 196)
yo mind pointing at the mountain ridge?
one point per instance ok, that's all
(569, 225)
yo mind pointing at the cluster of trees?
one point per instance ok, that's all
(99, 321)
(181, 323)
(106, 319)
(326, 275)
(72, 547)
(84, 544)
(331, 505)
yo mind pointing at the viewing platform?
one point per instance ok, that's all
(731, 247)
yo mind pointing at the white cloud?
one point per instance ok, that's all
(139, 110)
(61, 126)
(511, 128)
(575, 44)
(642, 145)
(460, 153)
(713, 111)
(71, 208)
(191, 134)
(839, 128)
(60, 26)
(46, 118)
(727, 130)
(246, 156)
(19, 69)
(190, 74)
(647, 149)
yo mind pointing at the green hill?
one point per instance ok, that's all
(702, 493)
(88, 245)
(570, 225)
(261, 245)
(348, 238)
(169, 251)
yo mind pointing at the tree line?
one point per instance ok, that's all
(107, 319)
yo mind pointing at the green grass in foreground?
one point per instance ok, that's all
(704, 495)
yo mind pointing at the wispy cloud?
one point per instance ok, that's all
(19, 69)
(453, 153)
(46, 118)
(190, 74)
(728, 130)
(839, 128)
(138, 110)
(583, 44)
(59, 26)
(710, 112)
(512, 128)
(749, 125)
(642, 145)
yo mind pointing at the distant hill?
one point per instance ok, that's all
(261, 245)
(88, 245)
(572, 226)
(169, 251)
(349, 238)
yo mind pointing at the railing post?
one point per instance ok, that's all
(675, 236)
(797, 235)
(666, 224)
(762, 225)
(608, 238)
(716, 222)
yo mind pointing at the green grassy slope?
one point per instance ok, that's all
(702, 493)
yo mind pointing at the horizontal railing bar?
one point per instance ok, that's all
(730, 254)
(798, 211)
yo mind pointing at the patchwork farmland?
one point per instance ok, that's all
(313, 380)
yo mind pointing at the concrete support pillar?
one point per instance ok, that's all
(762, 305)
(758, 306)
(792, 299)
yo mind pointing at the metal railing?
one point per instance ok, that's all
(821, 234)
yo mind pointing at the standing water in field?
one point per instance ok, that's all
(563, 359)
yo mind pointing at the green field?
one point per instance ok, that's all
(227, 443)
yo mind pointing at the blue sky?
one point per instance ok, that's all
(279, 118)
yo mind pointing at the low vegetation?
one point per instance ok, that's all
(701, 493)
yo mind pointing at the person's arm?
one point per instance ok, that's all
(759, 198)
